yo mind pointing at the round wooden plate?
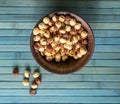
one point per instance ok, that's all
(71, 65)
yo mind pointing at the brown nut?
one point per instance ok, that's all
(15, 71)
(33, 91)
(46, 20)
(36, 31)
(36, 38)
(72, 22)
(55, 18)
(36, 46)
(77, 26)
(25, 81)
(84, 34)
(38, 80)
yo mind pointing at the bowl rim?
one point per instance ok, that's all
(58, 13)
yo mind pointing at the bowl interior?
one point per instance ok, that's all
(69, 65)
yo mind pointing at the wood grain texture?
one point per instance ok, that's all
(96, 83)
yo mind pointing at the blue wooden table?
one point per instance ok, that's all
(98, 82)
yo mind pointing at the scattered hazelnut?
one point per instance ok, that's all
(15, 71)
(25, 81)
(38, 80)
(46, 20)
(36, 74)
(84, 34)
(33, 91)
(72, 22)
(36, 31)
(27, 73)
(36, 38)
(34, 85)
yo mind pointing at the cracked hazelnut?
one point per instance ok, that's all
(55, 18)
(61, 18)
(43, 41)
(58, 24)
(68, 28)
(77, 26)
(33, 92)
(62, 31)
(42, 26)
(38, 80)
(47, 34)
(58, 57)
(36, 31)
(36, 74)
(42, 48)
(83, 50)
(34, 85)
(27, 73)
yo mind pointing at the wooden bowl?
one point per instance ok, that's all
(71, 65)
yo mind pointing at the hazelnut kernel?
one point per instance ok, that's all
(77, 26)
(84, 34)
(47, 53)
(36, 46)
(56, 38)
(65, 57)
(54, 18)
(83, 50)
(25, 81)
(46, 20)
(38, 80)
(15, 71)
(49, 58)
(36, 74)
(79, 55)
(27, 73)
(34, 85)
(47, 34)
(74, 39)
(41, 49)
(61, 18)
(62, 31)
(68, 28)
(41, 25)
(69, 47)
(36, 31)
(72, 22)
(72, 32)
(43, 41)
(33, 92)
(62, 40)
(36, 38)
(58, 24)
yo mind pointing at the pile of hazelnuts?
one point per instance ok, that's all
(26, 81)
(60, 37)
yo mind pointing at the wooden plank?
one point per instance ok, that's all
(66, 85)
(34, 18)
(26, 40)
(64, 100)
(43, 10)
(86, 70)
(24, 48)
(98, 33)
(61, 92)
(64, 78)
(31, 25)
(53, 3)
(114, 63)
(28, 55)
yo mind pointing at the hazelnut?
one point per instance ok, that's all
(36, 38)
(55, 18)
(58, 24)
(42, 31)
(58, 57)
(56, 38)
(34, 85)
(43, 41)
(71, 53)
(68, 28)
(36, 74)
(36, 46)
(84, 42)
(69, 47)
(25, 81)
(62, 18)
(62, 31)
(72, 22)
(42, 25)
(49, 40)
(42, 48)
(47, 53)
(57, 47)
(64, 57)
(84, 34)
(47, 34)
(49, 58)
(51, 23)
(33, 91)
(83, 50)
(69, 42)
(49, 48)
(77, 26)
(36, 31)
(67, 19)
(73, 32)
(46, 20)
(38, 80)
(62, 40)
(80, 30)
(79, 55)
(15, 71)
(74, 39)
(53, 29)
(27, 73)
